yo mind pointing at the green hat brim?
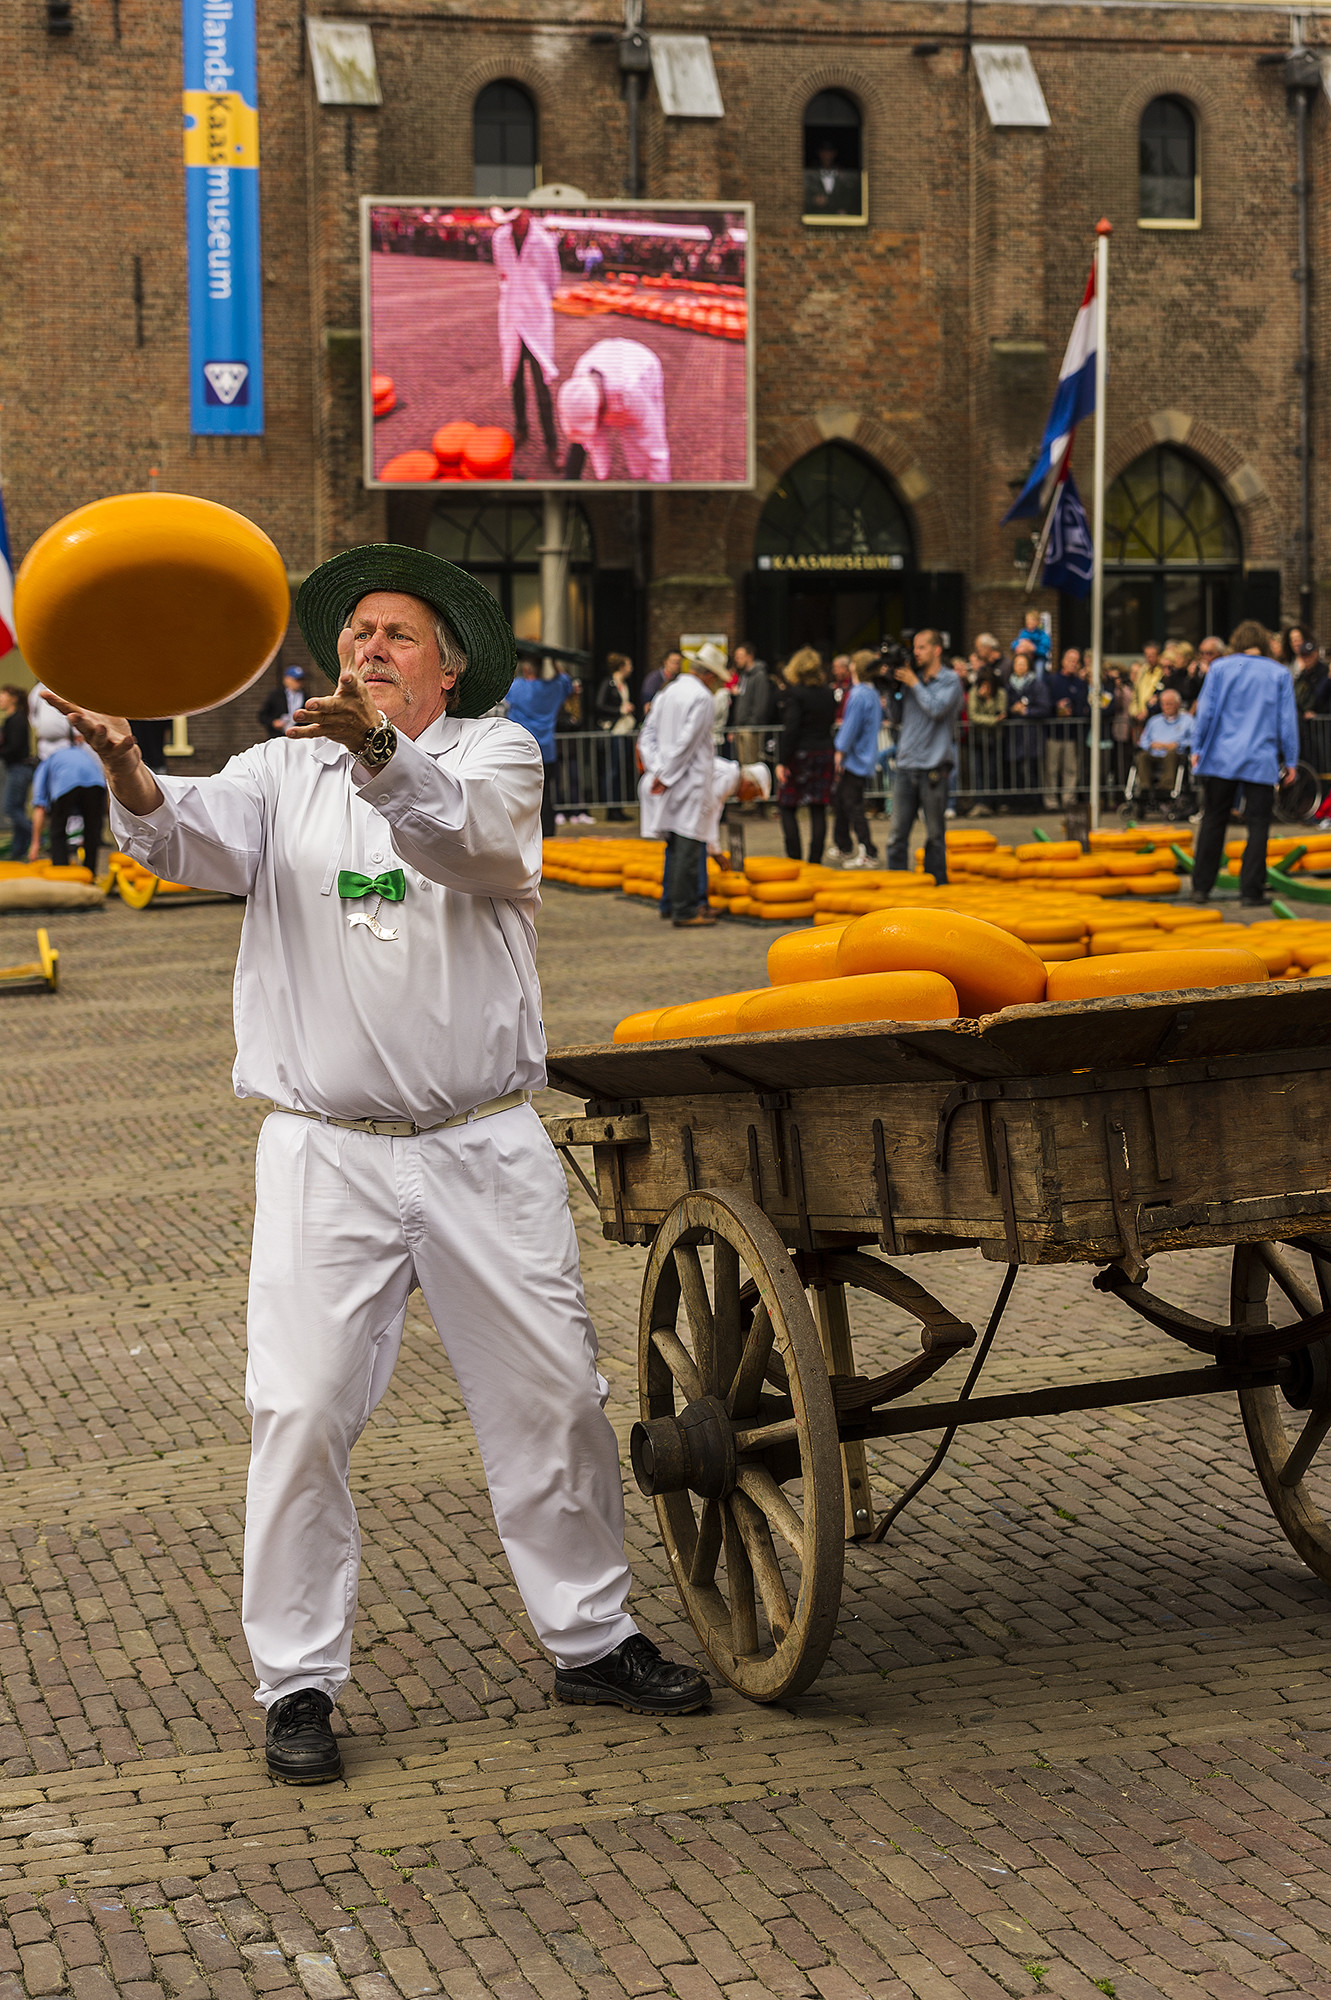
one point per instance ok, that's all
(331, 593)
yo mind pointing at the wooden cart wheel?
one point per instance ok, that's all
(755, 1540)
(1287, 1427)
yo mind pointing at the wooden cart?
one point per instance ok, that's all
(1099, 1132)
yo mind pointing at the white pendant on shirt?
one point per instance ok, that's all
(371, 922)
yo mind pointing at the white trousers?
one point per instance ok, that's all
(346, 1225)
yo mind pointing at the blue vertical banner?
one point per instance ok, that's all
(221, 104)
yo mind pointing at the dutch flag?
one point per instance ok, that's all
(1074, 399)
(7, 640)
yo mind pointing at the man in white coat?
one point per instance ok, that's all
(387, 1004)
(616, 389)
(526, 256)
(679, 779)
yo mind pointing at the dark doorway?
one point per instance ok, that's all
(835, 562)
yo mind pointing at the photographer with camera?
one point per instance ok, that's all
(926, 702)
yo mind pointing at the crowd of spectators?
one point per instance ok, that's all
(465, 235)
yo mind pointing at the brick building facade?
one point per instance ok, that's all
(916, 349)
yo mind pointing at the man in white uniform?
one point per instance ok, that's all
(616, 388)
(387, 1003)
(526, 257)
(679, 778)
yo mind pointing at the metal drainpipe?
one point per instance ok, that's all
(1303, 80)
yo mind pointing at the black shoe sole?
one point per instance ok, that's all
(606, 1698)
(306, 1777)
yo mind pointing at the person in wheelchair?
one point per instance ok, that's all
(1162, 754)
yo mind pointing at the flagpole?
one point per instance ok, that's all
(1103, 232)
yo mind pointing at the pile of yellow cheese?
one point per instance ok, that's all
(974, 954)
(601, 864)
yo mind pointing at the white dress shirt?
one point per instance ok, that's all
(330, 1018)
(633, 387)
(680, 755)
(529, 279)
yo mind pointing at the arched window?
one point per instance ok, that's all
(835, 185)
(500, 543)
(1173, 553)
(834, 510)
(1169, 195)
(504, 141)
(834, 557)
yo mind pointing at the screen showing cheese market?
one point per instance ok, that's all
(557, 344)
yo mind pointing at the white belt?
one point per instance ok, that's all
(405, 1128)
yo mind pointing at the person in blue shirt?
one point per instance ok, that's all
(856, 745)
(931, 698)
(536, 704)
(1165, 741)
(1246, 732)
(69, 783)
(1033, 634)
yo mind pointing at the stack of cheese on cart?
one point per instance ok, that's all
(911, 951)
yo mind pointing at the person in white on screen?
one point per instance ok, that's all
(526, 256)
(617, 386)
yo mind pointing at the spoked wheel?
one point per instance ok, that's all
(755, 1539)
(1288, 1427)
(1298, 798)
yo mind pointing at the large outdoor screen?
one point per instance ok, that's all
(543, 346)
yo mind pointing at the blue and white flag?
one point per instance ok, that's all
(1069, 555)
(1074, 399)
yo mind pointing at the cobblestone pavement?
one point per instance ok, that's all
(1071, 1738)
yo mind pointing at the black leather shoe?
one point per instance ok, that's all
(301, 1746)
(635, 1677)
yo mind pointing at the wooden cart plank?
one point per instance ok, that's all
(824, 1058)
(1158, 1027)
(1021, 1041)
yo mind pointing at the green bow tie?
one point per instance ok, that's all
(392, 886)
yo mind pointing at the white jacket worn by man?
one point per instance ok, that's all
(617, 389)
(387, 1005)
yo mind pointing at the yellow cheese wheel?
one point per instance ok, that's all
(767, 868)
(1135, 864)
(731, 884)
(1048, 850)
(782, 913)
(1043, 930)
(988, 968)
(1057, 954)
(1320, 971)
(639, 1027)
(781, 892)
(804, 955)
(1152, 885)
(1126, 838)
(1153, 972)
(872, 996)
(1112, 944)
(716, 1016)
(1178, 920)
(1087, 867)
(739, 906)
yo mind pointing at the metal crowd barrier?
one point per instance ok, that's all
(1005, 767)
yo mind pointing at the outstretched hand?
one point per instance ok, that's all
(111, 738)
(347, 716)
(107, 736)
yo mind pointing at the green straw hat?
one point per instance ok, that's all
(331, 593)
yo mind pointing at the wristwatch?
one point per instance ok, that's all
(379, 745)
